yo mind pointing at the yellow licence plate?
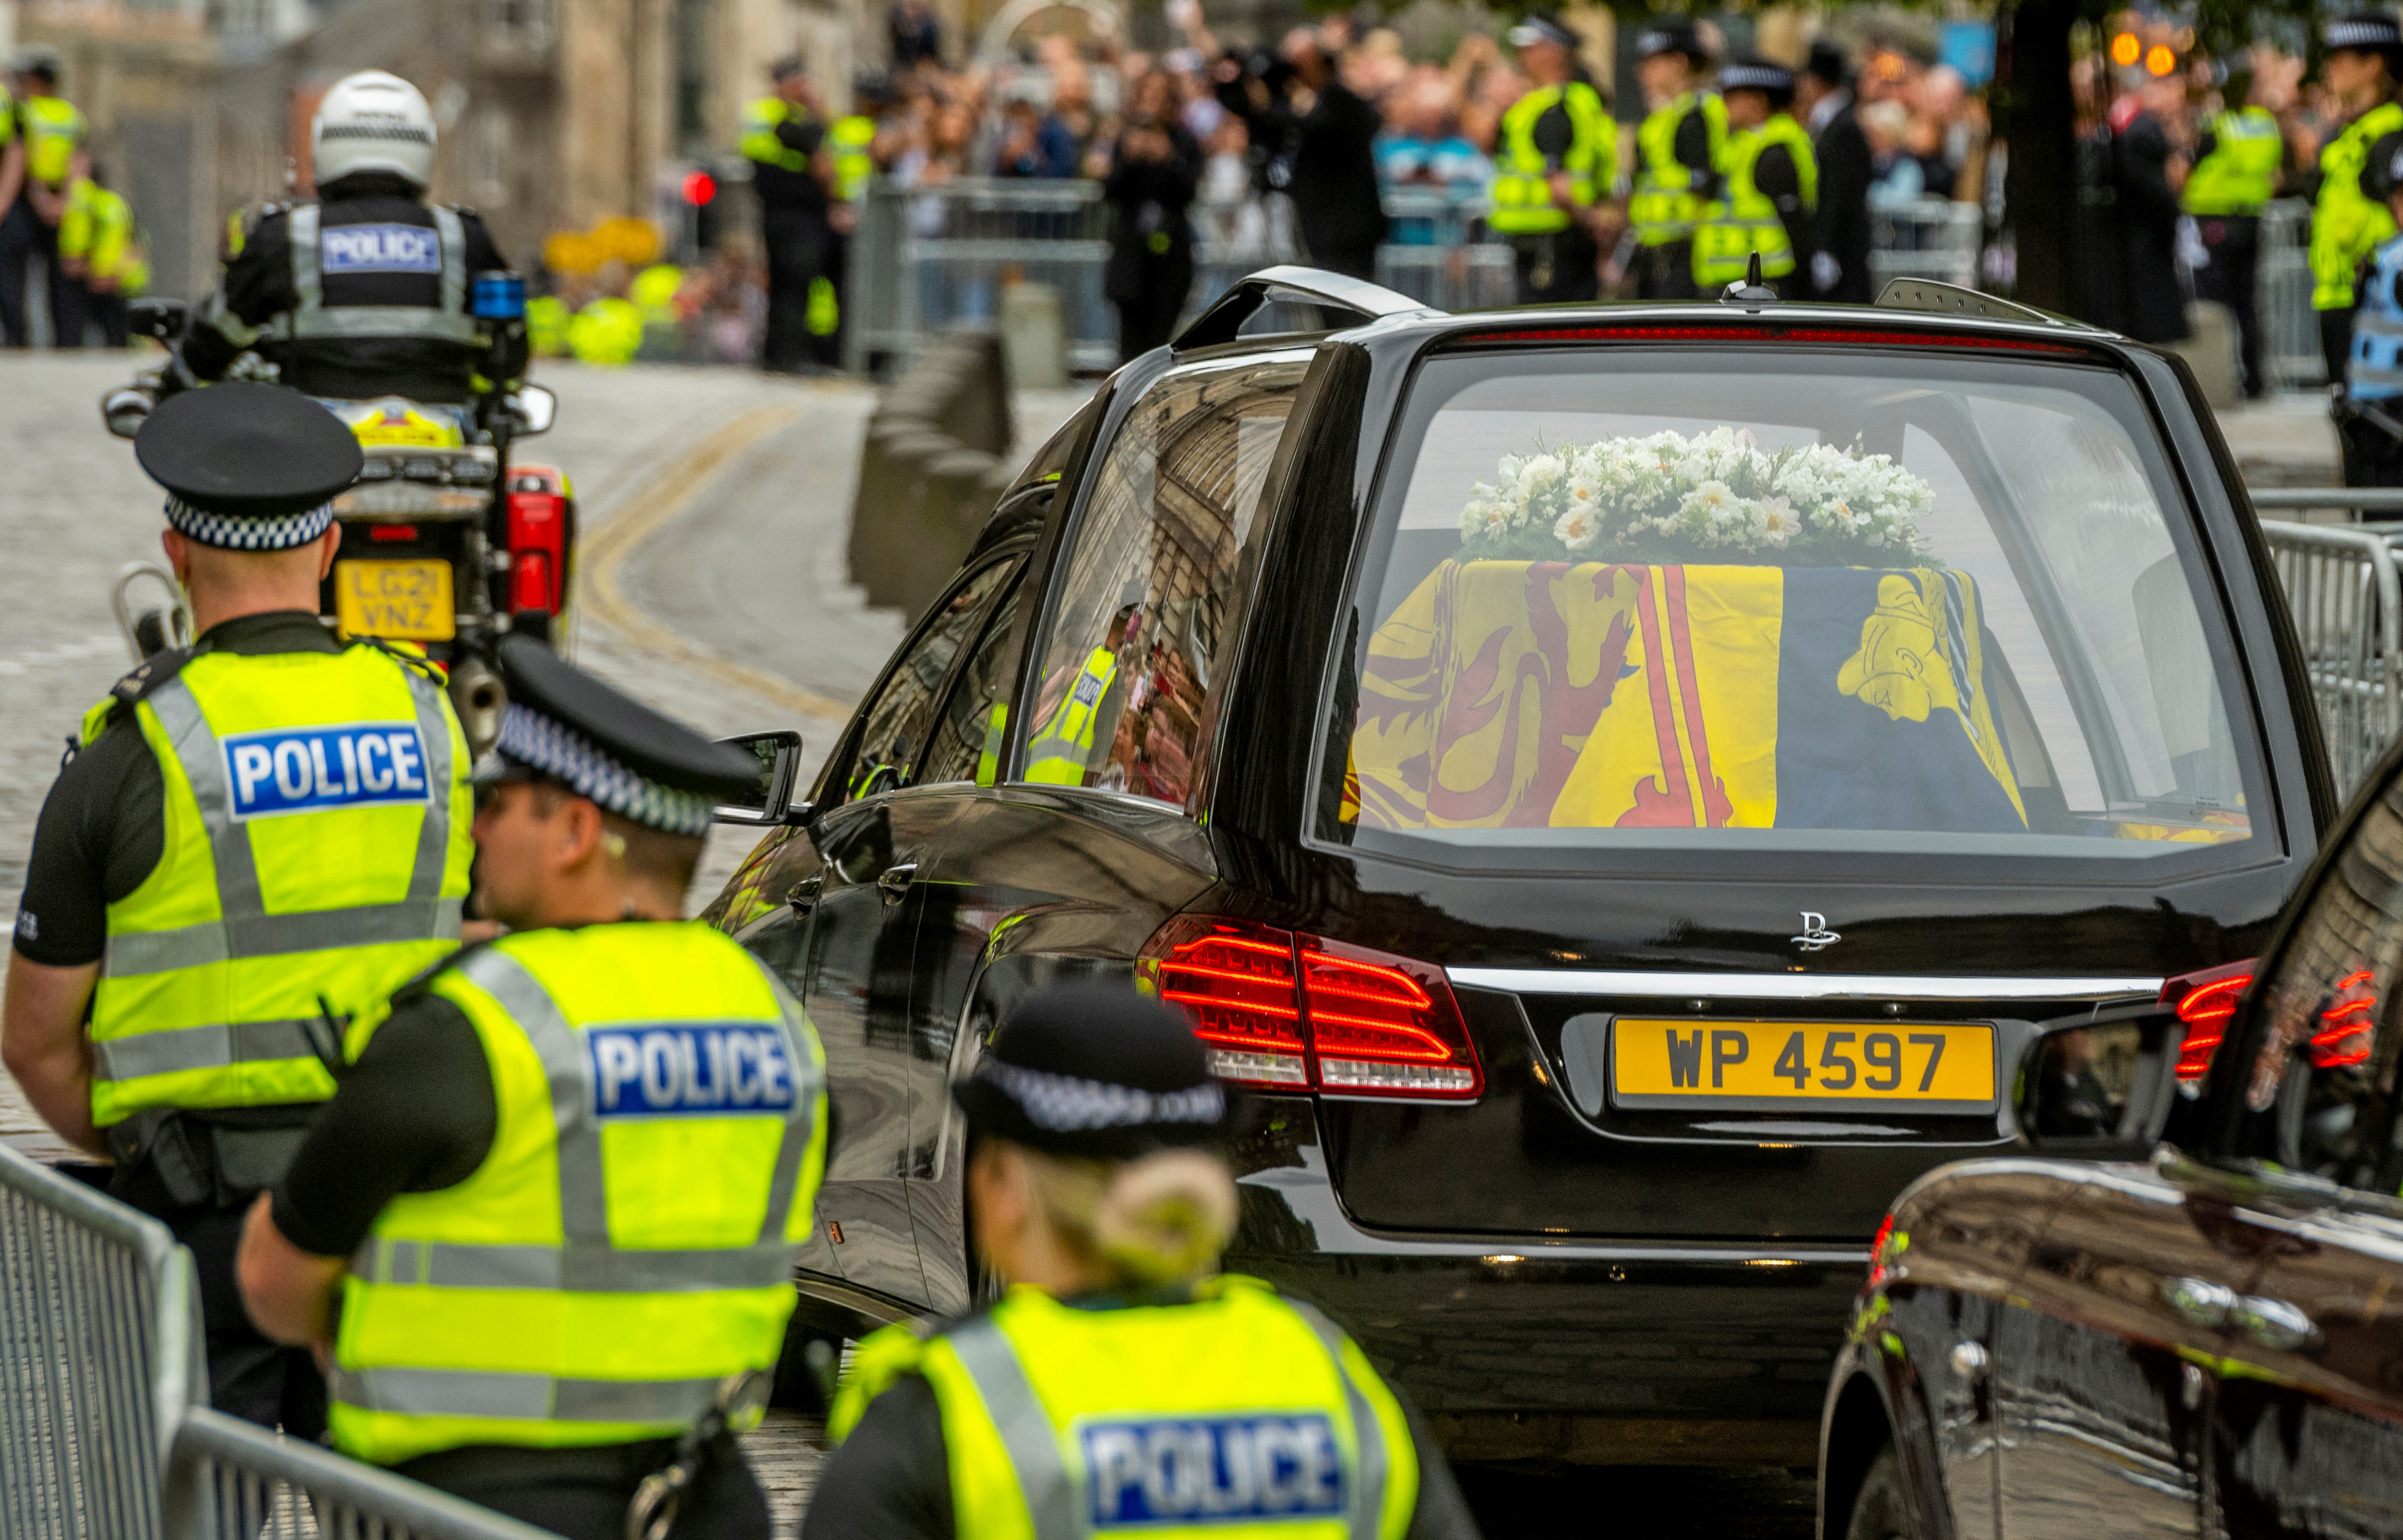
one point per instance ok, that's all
(404, 599)
(1814, 1065)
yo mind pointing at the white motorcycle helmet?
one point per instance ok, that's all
(372, 122)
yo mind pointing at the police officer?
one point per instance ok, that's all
(851, 144)
(257, 836)
(1557, 157)
(1677, 151)
(556, 1197)
(48, 159)
(2235, 174)
(793, 172)
(1070, 708)
(1122, 1380)
(2370, 414)
(364, 293)
(2363, 54)
(1769, 186)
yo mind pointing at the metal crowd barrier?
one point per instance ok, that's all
(2347, 606)
(106, 1430)
(1930, 238)
(2290, 328)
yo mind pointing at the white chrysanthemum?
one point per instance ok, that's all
(1779, 523)
(1579, 529)
(1712, 502)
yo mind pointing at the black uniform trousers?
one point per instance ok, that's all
(583, 1493)
(249, 1377)
(2233, 241)
(800, 251)
(1665, 272)
(27, 244)
(1557, 267)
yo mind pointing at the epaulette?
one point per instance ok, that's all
(147, 676)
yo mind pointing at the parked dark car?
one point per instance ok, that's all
(1621, 785)
(2115, 1336)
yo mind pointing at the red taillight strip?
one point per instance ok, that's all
(1843, 335)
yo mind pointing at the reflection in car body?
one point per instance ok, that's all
(1932, 687)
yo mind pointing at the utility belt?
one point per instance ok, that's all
(173, 1161)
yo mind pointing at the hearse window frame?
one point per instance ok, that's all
(2136, 415)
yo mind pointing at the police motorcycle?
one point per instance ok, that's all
(448, 543)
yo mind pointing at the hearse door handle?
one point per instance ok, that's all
(2274, 1323)
(803, 895)
(897, 880)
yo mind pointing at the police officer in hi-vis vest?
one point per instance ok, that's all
(1553, 168)
(2371, 413)
(364, 292)
(1069, 708)
(260, 836)
(1122, 1382)
(793, 172)
(544, 1227)
(42, 156)
(1769, 186)
(2363, 54)
(2237, 161)
(1677, 151)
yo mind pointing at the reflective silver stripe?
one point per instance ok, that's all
(138, 952)
(581, 1269)
(1367, 1432)
(310, 316)
(528, 1397)
(232, 327)
(175, 1049)
(1798, 986)
(434, 834)
(583, 1198)
(795, 1146)
(984, 1351)
(195, 742)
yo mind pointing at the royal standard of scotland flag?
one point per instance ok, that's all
(1521, 694)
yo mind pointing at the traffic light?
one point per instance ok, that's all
(701, 209)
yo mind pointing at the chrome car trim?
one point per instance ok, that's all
(1797, 986)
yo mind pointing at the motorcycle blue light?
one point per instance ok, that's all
(498, 296)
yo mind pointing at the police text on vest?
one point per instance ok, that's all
(1201, 1470)
(320, 769)
(690, 1068)
(378, 248)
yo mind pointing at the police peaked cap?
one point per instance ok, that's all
(247, 466)
(1098, 1071)
(2365, 32)
(1751, 72)
(1538, 26)
(562, 724)
(1673, 35)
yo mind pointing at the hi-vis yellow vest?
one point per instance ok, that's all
(316, 852)
(1522, 193)
(627, 1243)
(53, 129)
(2241, 172)
(760, 143)
(1664, 203)
(853, 137)
(1743, 219)
(1062, 748)
(2347, 224)
(1238, 1416)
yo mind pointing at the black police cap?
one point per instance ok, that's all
(2366, 32)
(1539, 26)
(1673, 35)
(247, 466)
(1751, 72)
(1099, 1071)
(563, 724)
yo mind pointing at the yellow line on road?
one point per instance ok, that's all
(656, 504)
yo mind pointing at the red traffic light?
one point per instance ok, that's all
(699, 188)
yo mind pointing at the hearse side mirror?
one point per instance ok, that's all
(2099, 1086)
(778, 754)
(156, 317)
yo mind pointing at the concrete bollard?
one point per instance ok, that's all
(936, 460)
(1033, 336)
(2211, 350)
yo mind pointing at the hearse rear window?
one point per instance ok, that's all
(1807, 600)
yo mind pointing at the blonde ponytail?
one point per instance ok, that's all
(1157, 1220)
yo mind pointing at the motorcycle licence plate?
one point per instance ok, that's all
(1818, 1066)
(411, 600)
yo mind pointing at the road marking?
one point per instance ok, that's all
(656, 504)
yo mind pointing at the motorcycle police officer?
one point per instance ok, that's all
(557, 1193)
(1121, 1379)
(1678, 148)
(366, 292)
(2363, 54)
(1557, 157)
(256, 834)
(1769, 185)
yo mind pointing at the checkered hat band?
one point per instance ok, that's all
(227, 532)
(2363, 34)
(1063, 1104)
(540, 743)
(1753, 77)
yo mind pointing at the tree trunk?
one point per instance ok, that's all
(2039, 192)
